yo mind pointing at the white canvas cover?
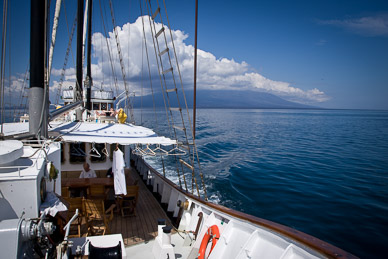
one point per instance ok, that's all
(15, 128)
(118, 173)
(124, 134)
(103, 95)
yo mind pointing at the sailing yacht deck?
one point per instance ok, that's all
(144, 226)
(141, 227)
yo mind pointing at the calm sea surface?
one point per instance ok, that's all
(323, 172)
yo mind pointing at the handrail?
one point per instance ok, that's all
(313, 243)
(3, 174)
(67, 227)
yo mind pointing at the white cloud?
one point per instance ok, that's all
(366, 26)
(213, 72)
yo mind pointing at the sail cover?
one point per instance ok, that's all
(91, 132)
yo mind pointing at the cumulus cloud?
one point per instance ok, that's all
(370, 26)
(213, 73)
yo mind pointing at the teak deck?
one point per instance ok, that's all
(144, 226)
(141, 227)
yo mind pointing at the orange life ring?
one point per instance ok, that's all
(212, 232)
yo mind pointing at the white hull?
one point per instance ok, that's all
(242, 235)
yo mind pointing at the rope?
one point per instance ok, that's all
(148, 63)
(187, 109)
(141, 91)
(3, 45)
(9, 99)
(160, 78)
(65, 63)
(121, 59)
(193, 181)
(192, 157)
(68, 28)
(160, 66)
(109, 51)
(22, 96)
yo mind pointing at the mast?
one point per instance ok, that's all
(195, 68)
(88, 81)
(37, 57)
(53, 37)
(78, 88)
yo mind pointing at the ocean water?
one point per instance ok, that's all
(323, 172)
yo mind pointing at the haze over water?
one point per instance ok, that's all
(323, 172)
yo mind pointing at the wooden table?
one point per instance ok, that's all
(80, 186)
(86, 182)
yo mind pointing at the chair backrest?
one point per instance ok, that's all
(97, 191)
(132, 191)
(65, 192)
(74, 203)
(94, 208)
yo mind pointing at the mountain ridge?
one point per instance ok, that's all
(224, 99)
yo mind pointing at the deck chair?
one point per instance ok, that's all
(129, 201)
(96, 216)
(65, 192)
(75, 203)
(97, 192)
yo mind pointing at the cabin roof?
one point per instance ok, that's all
(110, 133)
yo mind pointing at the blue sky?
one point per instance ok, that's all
(331, 54)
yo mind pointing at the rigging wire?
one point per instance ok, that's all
(164, 81)
(159, 72)
(102, 66)
(68, 29)
(164, 88)
(65, 63)
(22, 96)
(148, 64)
(109, 50)
(3, 45)
(121, 61)
(152, 91)
(141, 91)
(9, 99)
(162, 31)
(187, 109)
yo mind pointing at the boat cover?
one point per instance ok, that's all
(118, 172)
(15, 128)
(110, 133)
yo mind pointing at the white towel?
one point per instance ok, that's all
(118, 173)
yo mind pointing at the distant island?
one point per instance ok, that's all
(224, 99)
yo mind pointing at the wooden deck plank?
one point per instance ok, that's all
(142, 227)
(143, 223)
(148, 219)
(149, 205)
